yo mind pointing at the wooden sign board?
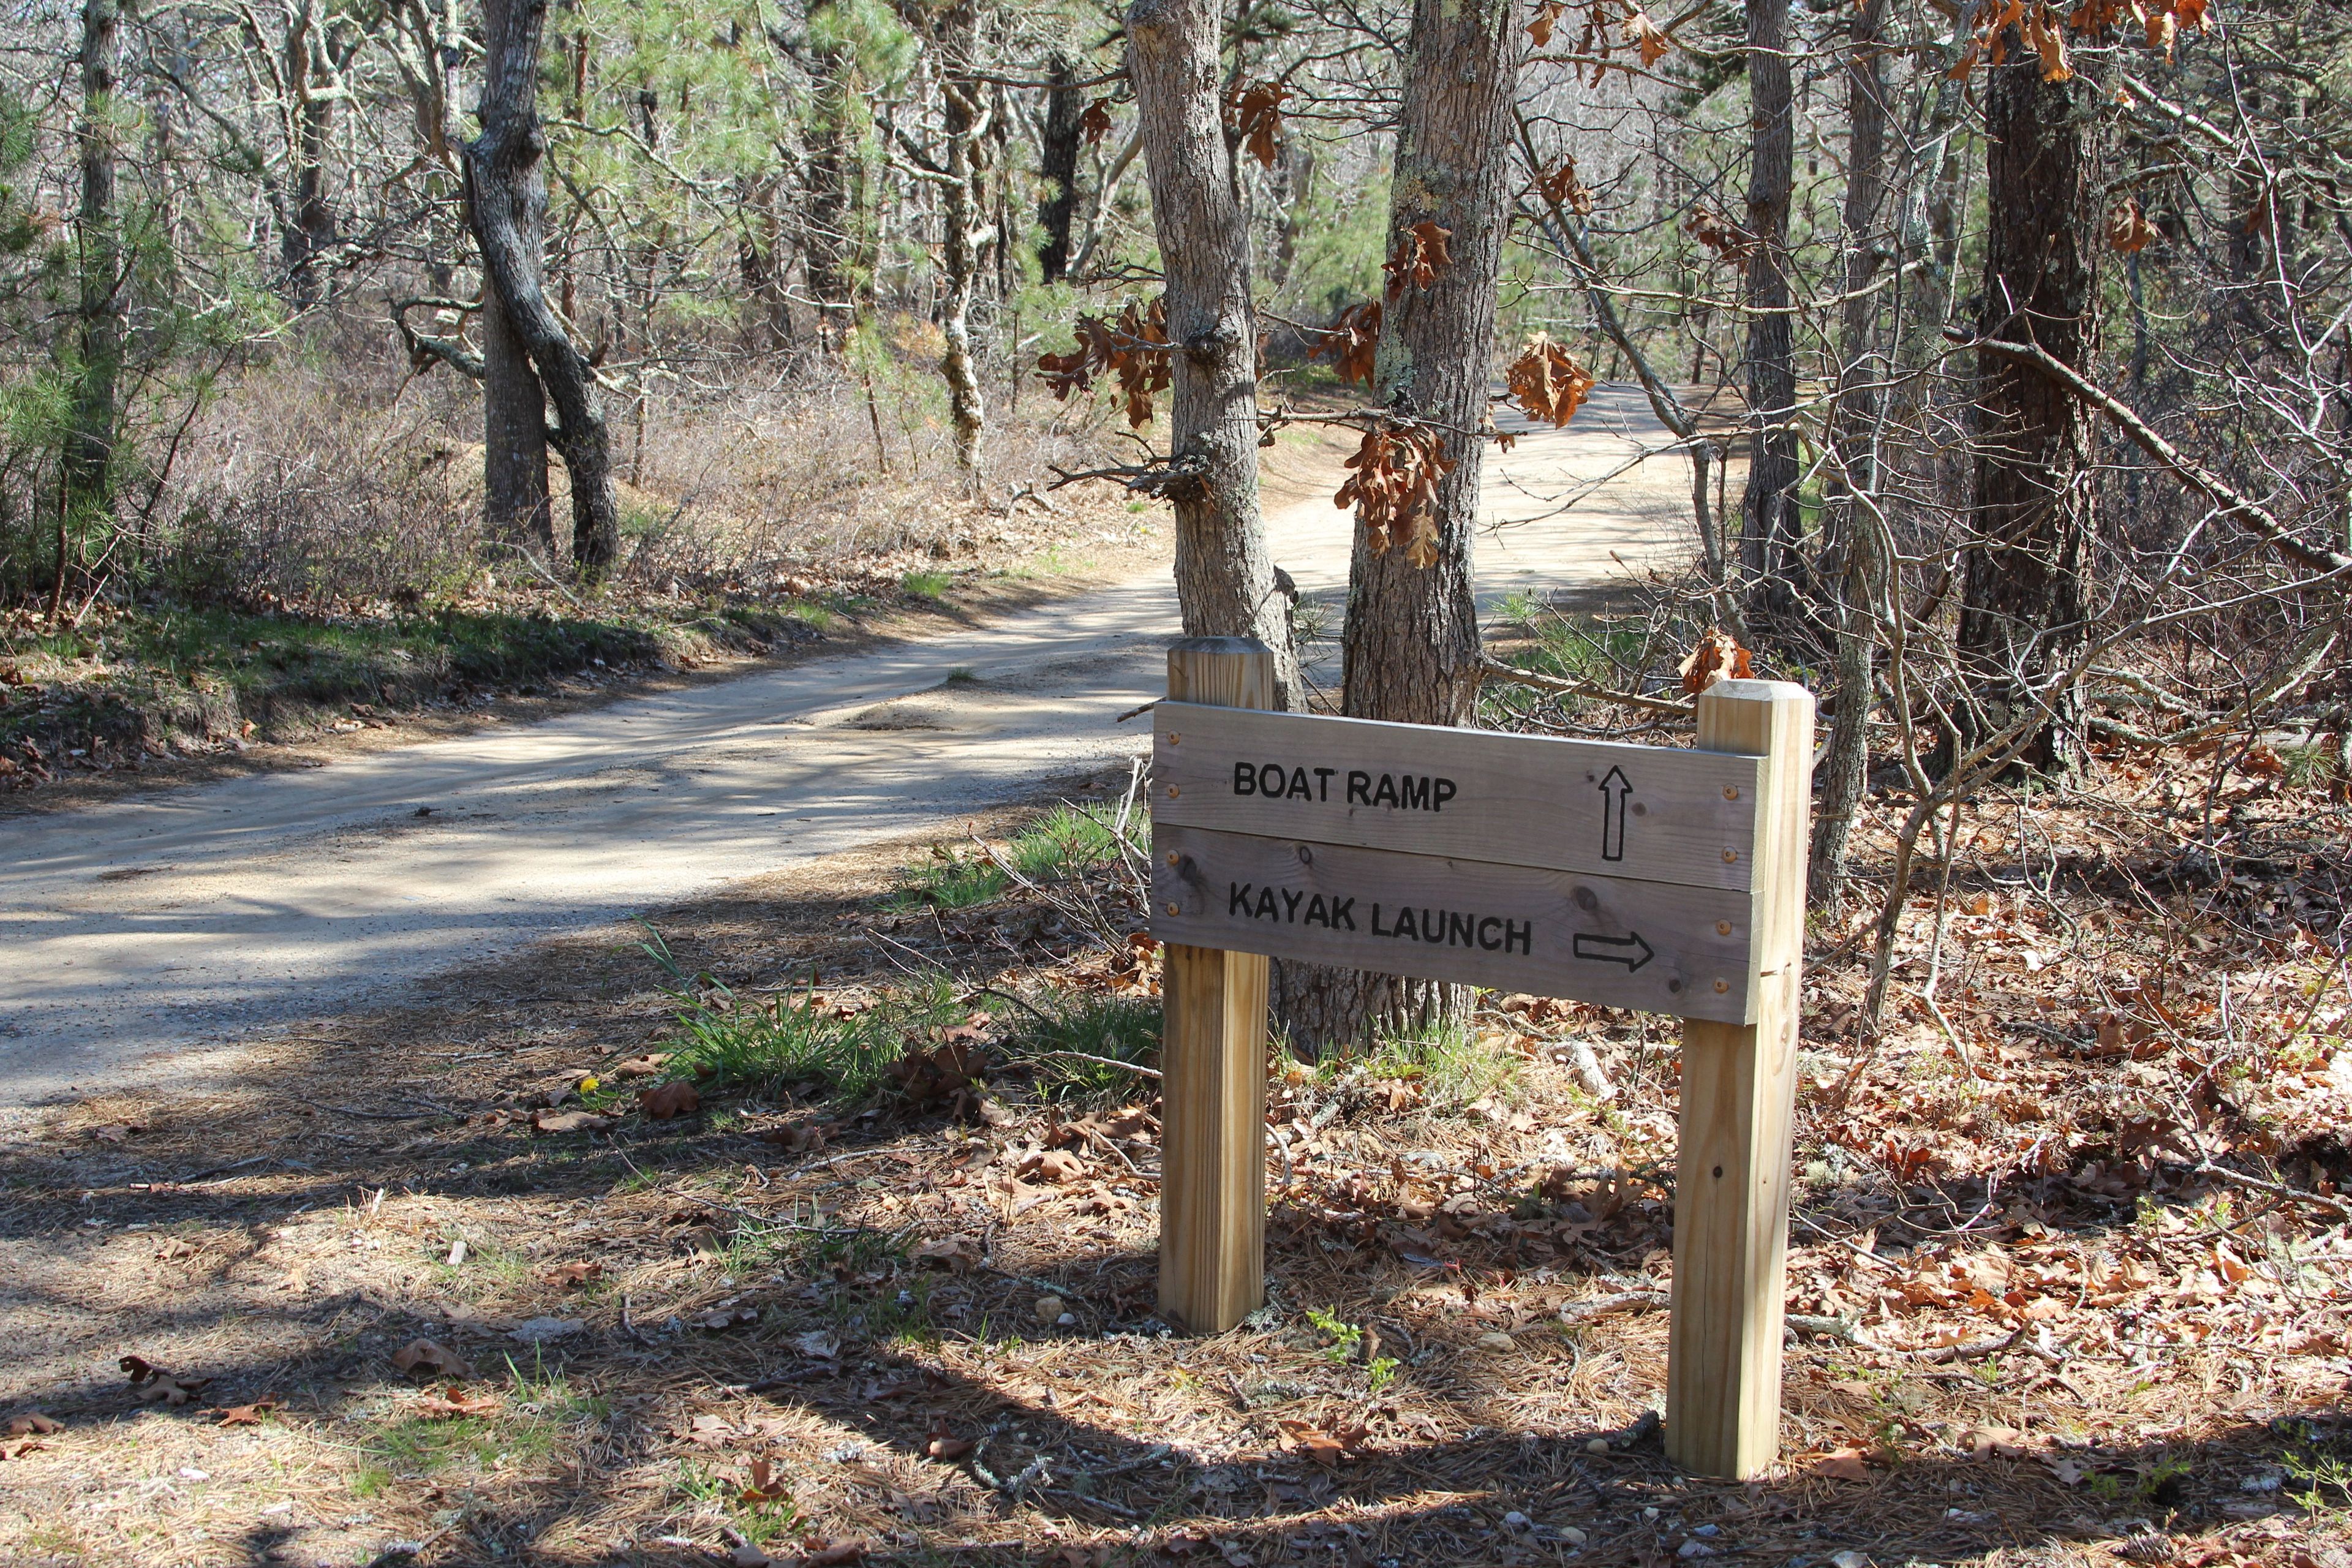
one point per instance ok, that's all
(1651, 945)
(1652, 812)
(1616, 874)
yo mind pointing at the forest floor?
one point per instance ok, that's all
(478, 1280)
(811, 1218)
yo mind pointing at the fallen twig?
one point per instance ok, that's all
(1490, 668)
(1105, 1061)
(2276, 1189)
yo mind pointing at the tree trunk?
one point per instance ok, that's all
(1411, 644)
(314, 214)
(1852, 537)
(964, 121)
(1225, 579)
(1298, 186)
(85, 478)
(1057, 165)
(2025, 572)
(311, 232)
(1771, 528)
(761, 260)
(828, 245)
(515, 497)
(505, 200)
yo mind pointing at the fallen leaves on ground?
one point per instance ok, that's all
(1056, 1165)
(646, 1066)
(1326, 1448)
(766, 1486)
(725, 1317)
(671, 1100)
(454, 1401)
(540, 1331)
(947, 1075)
(254, 1415)
(434, 1359)
(956, 1254)
(941, 1442)
(157, 1387)
(33, 1422)
(797, 1137)
(549, 1120)
(577, 1273)
(1843, 1465)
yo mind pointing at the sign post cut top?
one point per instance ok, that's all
(1648, 813)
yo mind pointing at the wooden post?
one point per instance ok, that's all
(1212, 1067)
(1738, 1092)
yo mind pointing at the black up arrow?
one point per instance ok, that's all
(1628, 950)
(1614, 792)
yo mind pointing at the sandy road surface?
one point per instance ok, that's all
(144, 938)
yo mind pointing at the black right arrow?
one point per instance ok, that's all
(1615, 791)
(1628, 950)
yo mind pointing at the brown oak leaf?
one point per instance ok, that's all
(1717, 657)
(1326, 1448)
(670, 1100)
(1421, 256)
(1352, 342)
(1255, 115)
(766, 1486)
(1547, 383)
(546, 1119)
(1095, 123)
(2129, 229)
(1561, 188)
(940, 1443)
(454, 1401)
(1394, 490)
(157, 1387)
(437, 1361)
(1843, 1465)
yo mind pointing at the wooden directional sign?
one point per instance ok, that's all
(1617, 874)
(1636, 876)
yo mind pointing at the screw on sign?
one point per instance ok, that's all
(1642, 877)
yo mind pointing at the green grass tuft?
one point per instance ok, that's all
(1117, 1028)
(734, 1043)
(1452, 1065)
(950, 879)
(926, 585)
(1069, 841)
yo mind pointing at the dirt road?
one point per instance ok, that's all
(146, 939)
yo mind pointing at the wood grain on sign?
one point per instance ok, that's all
(1650, 813)
(1621, 943)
